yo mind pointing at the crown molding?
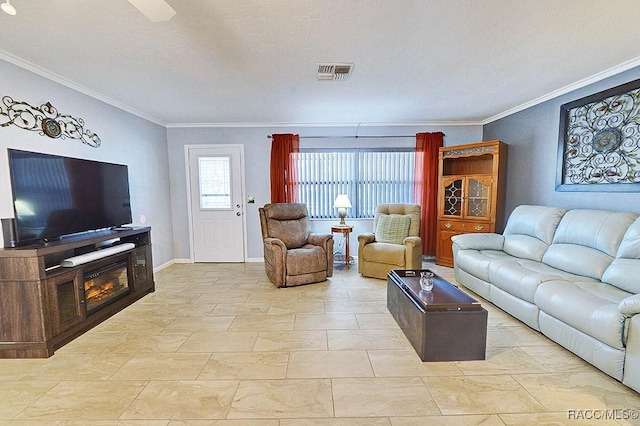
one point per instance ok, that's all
(625, 66)
(36, 69)
(304, 125)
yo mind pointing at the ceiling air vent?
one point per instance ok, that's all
(334, 71)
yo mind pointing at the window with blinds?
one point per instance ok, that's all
(369, 177)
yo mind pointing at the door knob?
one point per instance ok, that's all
(238, 213)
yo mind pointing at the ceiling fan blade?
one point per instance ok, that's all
(155, 10)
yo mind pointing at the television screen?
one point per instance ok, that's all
(55, 196)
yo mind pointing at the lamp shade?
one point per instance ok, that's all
(8, 8)
(342, 201)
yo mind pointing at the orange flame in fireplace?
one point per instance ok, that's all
(94, 291)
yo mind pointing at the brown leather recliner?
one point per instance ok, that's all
(293, 255)
(394, 243)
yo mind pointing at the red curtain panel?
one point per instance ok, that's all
(426, 186)
(284, 150)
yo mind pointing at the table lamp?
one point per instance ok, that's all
(8, 8)
(342, 203)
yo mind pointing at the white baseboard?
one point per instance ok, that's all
(163, 266)
(186, 260)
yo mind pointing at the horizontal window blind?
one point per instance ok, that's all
(368, 177)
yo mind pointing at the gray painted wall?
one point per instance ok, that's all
(532, 136)
(126, 139)
(257, 148)
(156, 160)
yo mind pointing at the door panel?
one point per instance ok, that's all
(215, 175)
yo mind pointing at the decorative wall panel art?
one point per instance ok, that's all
(45, 119)
(599, 144)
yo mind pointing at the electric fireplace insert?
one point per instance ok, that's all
(105, 285)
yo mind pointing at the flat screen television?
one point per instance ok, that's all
(55, 196)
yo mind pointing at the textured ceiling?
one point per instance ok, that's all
(255, 61)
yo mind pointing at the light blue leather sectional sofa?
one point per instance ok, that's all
(573, 275)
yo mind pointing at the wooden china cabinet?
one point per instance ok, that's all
(470, 193)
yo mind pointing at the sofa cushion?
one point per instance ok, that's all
(577, 259)
(599, 229)
(476, 262)
(293, 233)
(411, 210)
(525, 247)
(530, 229)
(586, 241)
(392, 228)
(288, 222)
(306, 260)
(522, 277)
(622, 271)
(591, 307)
(391, 254)
(630, 245)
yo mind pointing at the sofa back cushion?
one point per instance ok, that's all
(392, 228)
(586, 241)
(623, 271)
(530, 230)
(405, 209)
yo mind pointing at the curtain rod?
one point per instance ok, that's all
(353, 137)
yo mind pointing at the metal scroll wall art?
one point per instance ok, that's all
(599, 147)
(47, 120)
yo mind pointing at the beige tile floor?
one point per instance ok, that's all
(219, 344)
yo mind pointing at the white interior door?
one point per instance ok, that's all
(217, 222)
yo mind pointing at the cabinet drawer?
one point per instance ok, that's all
(477, 227)
(451, 225)
(465, 227)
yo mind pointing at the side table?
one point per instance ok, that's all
(344, 230)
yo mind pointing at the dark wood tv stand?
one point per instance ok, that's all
(43, 305)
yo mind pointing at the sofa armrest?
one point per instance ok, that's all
(320, 239)
(326, 242)
(363, 240)
(631, 370)
(479, 241)
(413, 253)
(275, 242)
(275, 259)
(366, 238)
(411, 242)
(630, 305)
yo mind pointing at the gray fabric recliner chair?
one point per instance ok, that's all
(293, 255)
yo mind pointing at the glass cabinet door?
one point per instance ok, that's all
(452, 203)
(477, 197)
(66, 303)
(142, 269)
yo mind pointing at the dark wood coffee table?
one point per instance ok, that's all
(444, 324)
